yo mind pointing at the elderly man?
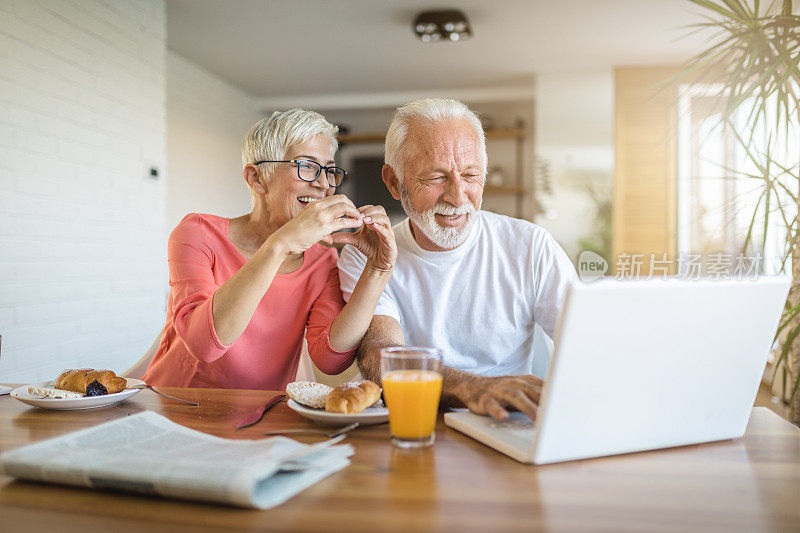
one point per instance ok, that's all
(470, 282)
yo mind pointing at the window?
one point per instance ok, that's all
(724, 200)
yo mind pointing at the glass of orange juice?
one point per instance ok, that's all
(412, 385)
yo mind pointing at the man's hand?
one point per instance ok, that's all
(482, 395)
(493, 396)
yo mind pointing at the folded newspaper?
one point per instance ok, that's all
(147, 453)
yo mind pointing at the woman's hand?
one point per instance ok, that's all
(375, 239)
(316, 222)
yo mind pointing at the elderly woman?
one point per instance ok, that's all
(245, 290)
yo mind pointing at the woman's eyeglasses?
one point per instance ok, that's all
(310, 170)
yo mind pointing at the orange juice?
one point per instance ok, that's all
(412, 397)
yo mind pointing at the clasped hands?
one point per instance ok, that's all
(319, 221)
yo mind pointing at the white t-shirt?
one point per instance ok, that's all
(479, 302)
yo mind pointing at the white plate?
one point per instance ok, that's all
(68, 404)
(377, 414)
(4, 390)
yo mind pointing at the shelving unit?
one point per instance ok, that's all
(517, 134)
(517, 189)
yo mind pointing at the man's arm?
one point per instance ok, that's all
(482, 395)
(384, 331)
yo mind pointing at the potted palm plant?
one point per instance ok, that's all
(752, 65)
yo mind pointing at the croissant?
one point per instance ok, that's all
(352, 397)
(77, 380)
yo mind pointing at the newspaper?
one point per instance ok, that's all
(147, 453)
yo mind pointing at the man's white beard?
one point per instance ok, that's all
(443, 237)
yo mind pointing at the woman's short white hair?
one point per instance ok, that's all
(272, 138)
(428, 111)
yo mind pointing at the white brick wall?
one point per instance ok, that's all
(82, 229)
(206, 121)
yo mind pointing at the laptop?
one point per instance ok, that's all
(643, 365)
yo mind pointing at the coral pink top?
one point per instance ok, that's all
(266, 355)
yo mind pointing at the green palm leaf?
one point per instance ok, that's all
(754, 58)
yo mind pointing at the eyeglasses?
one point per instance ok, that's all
(310, 170)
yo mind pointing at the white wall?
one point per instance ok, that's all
(575, 136)
(82, 233)
(206, 121)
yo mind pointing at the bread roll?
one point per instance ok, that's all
(309, 393)
(352, 397)
(45, 392)
(77, 380)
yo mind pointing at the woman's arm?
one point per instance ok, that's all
(192, 287)
(376, 241)
(236, 300)
(349, 327)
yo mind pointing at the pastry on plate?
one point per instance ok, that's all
(309, 393)
(352, 397)
(78, 380)
(47, 392)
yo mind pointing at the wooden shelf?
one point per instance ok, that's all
(505, 189)
(352, 138)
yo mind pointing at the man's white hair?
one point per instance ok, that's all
(427, 111)
(272, 138)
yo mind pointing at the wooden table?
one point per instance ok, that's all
(751, 484)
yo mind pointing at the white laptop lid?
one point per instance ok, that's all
(641, 365)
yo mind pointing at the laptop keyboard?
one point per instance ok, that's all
(513, 436)
(512, 424)
(516, 423)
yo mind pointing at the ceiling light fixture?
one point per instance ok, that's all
(445, 24)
